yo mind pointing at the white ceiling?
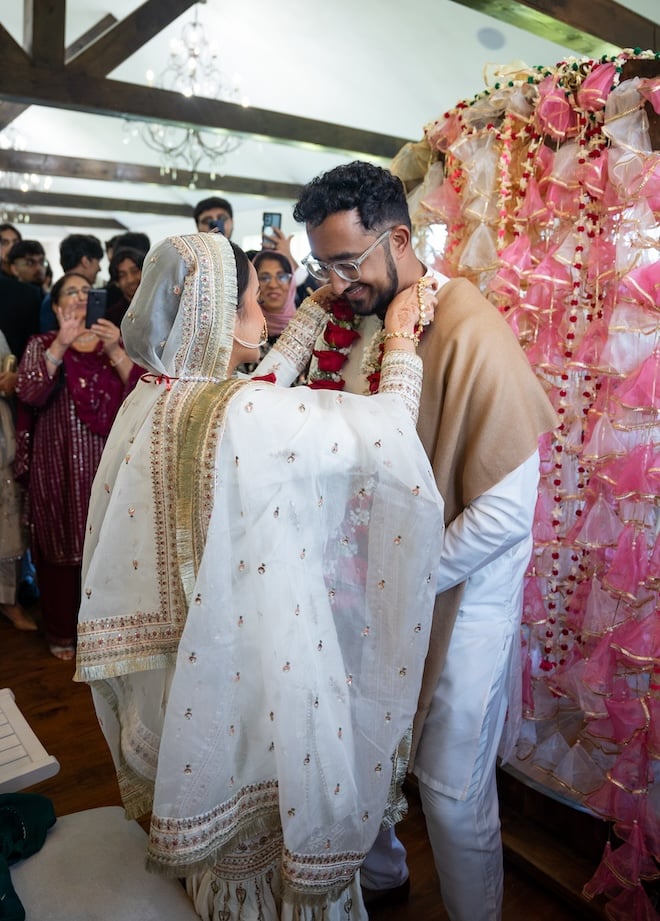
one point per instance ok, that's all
(380, 65)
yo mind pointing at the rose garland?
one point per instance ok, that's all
(340, 334)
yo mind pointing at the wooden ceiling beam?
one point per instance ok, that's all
(24, 161)
(102, 96)
(93, 203)
(43, 31)
(101, 49)
(11, 52)
(589, 27)
(24, 219)
(91, 35)
(128, 36)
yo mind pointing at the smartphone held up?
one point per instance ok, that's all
(96, 306)
(271, 220)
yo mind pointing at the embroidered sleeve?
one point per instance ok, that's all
(401, 372)
(297, 341)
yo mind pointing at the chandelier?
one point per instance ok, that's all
(192, 70)
(10, 139)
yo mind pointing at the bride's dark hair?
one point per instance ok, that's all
(242, 271)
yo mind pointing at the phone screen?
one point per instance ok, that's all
(218, 224)
(96, 305)
(270, 219)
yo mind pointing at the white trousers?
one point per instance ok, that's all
(464, 834)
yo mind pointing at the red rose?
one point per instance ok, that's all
(329, 361)
(374, 381)
(342, 311)
(339, 336)
(326, 384)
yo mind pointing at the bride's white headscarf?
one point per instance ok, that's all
(258, 585)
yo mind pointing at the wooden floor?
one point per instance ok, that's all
(61, 713)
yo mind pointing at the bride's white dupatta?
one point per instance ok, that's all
(255, 681)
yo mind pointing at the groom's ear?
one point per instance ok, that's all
(400, 240)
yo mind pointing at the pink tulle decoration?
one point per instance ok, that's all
(631, 769)
(527, 691)
(627, 716)
(562, 200)
(601, 260)
(653, 575)
(550, 751)
(636, 476)
(568, 681)
(551, 272)
(603, 881)
(638, 642)
(600, 729)
(596, 87)
(441, 134)
(611, 801)
(631, 906)
(610, 471)
(644, 284)
(629, 565)
(546, 444)
(641, 390)
(443, 201)
(654, 733)
(533, 603)
(587, 354)
(598, 674)
(576, 607)
(603, 611)
(604, 442)
(533, 208)
(578, 772)
(515, 260)
(631, 862)
(649, 89)
(593, 174)
(601, 527)
(538, 297)
(543, 530)
(554, 114)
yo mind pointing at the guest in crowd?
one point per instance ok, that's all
(70, 385)
(27, 261)
(80, 253)
(214, 214)
(12, 535)
(125, 272)
(132, 239)
(277, 291)
(8, 236)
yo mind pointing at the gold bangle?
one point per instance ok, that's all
(113, 364)
(400, 334)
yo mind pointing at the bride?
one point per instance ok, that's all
(256, 597)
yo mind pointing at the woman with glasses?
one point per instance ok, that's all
(277, 291)
(71, 383)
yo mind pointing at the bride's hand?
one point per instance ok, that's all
(324, 296)
(403, 314)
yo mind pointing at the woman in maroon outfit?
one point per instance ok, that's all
(71, 384)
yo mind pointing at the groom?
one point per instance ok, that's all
(481, 414)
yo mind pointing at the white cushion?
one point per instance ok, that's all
(91, 868)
